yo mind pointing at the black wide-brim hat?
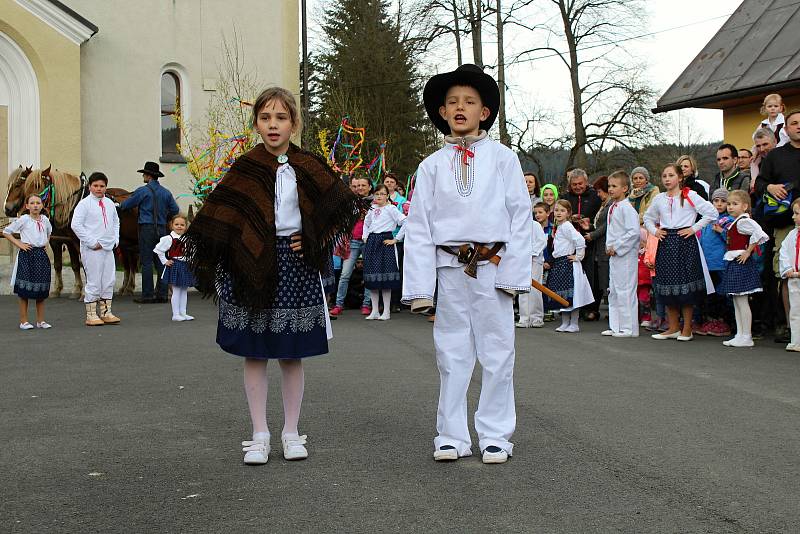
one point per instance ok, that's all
(151, 168)
(469, 75)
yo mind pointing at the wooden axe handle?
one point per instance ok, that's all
(546, 291)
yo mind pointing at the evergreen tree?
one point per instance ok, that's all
(367, 72)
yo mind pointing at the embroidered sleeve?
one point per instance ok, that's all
(15, 226)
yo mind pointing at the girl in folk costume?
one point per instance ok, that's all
(789, 266)
(258, 245)
(381, 267)
(741, 277)
(622, 246)
(176, 273)
(96, 223)
(681, 274)
(531, 306)
(773, 110)
(31, 275)
(566, 273)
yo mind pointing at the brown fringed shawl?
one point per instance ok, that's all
(234, 231)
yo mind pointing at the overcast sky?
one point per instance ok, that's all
(543, 84)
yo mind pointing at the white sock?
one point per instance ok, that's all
(184, 299)
(564, 319)
(387, 302)
(574, 317)
(176, 301)
(375, 297)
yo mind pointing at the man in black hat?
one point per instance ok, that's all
(470, 208)
(156, 207)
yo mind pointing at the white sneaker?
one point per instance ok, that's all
(742, 342)
(372, 316)
(187, 317)
(384, 317)
(25, 326)
(572, 329)
(793, 347)
(521, 325)
(622, 334)
(178, 318)
(293, 447)
(446, 453)
(44, 325)
(494, 455)
(540, 324)
(607, 333)
(728, 342)
(256, 452)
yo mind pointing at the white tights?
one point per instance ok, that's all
(744, 317)
(180, 296)
(570, 318)
(375, 295)
(292, 386)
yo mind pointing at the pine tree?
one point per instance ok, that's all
(366, 72)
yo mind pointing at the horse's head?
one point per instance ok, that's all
(16, 191)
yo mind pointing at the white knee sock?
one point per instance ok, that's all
(176, 301)
(184, 299)
(744, 317)
(387, 302)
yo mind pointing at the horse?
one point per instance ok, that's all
(60, 192)
(128, 240)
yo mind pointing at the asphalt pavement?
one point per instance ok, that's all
(137, 428)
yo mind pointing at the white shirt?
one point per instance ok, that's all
(287, 204)
(747, 226)
(667, 211)
(772, 126)
(568, 241)
(538, 243)
(94, 224)
(32, 232)
(382, 219)
(622, 228)
(493, 206)
(163, 246)
(788, 260)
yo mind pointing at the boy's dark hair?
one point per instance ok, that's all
(97, 177)
(542, 205)
(733, 149)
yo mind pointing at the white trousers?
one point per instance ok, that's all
(100, 274)
(794, 309)
(623, 304)
(531, 307)
(474, 320)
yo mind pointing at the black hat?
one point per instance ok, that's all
(151, 169)
(469, 75)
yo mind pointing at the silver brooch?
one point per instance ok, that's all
(283, 158)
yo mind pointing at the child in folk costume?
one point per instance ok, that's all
(773, 110)
(531, 305)
(622, 246)
(741, 277)
(566, 277)
(31, 275)
(259, 244)
(381, 268)
(470, 205)
(96, 223)
(681, 274)
(176, 272)
(789, 264)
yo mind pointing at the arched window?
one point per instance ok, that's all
(170, 112)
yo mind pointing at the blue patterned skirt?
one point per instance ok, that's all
(561, 280)
(178, 275)
(380, 263)
(293, 327)
(32, 279)
(740, 279)
(679, 271)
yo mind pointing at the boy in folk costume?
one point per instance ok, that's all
(469, 227)
(622, 246)
(96, 224)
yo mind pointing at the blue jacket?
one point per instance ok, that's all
(143, 199)
(714, 244)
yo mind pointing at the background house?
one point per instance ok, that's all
(755, 53)
(89, 85)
